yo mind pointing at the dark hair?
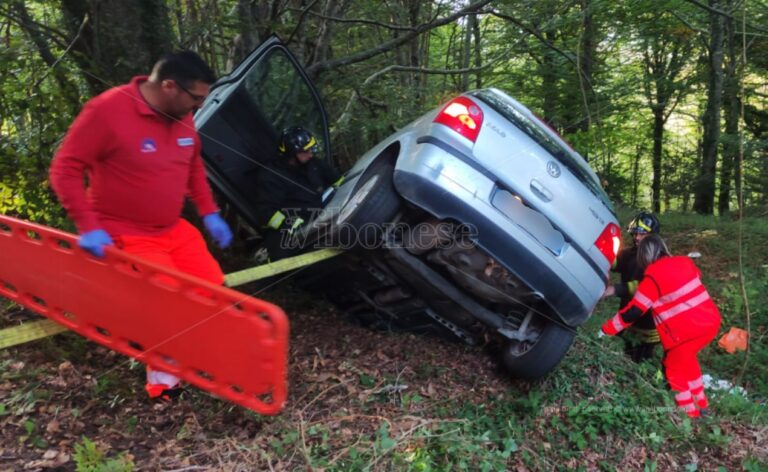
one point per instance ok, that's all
(651, 249)
(183, 67)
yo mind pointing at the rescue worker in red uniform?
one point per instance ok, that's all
(641, 339)
(138, 146)
(685, 316)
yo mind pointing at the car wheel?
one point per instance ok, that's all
(536, 358)
(373, 203)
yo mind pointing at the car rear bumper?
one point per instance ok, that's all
(450, 189)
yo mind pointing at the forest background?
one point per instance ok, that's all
(665, 99)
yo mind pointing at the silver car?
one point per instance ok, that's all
(476, 219)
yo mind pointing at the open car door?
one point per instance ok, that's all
(241, 121)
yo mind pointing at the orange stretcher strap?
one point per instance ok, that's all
(215, 338)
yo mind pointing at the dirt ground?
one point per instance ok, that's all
(345, 381)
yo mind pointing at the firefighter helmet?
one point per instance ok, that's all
(295, 140)
(644, 223)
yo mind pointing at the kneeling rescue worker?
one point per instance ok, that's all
(685, 316)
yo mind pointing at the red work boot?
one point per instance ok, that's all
(163, 392)
(685, 401)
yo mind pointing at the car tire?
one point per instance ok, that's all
(373, 203)
(532, 361)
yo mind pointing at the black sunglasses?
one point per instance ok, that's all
(198, 98)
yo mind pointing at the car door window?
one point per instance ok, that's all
(283, 98)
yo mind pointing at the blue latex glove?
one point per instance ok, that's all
(94, 241)
(218, 229)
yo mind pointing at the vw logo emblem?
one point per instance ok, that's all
(553, 169)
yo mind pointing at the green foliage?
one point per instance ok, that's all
(533, 51)
(90, 458)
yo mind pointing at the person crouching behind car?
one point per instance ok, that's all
(686, 318)
(641, 339)
(289, 192)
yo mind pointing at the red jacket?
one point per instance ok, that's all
(140, 166)
(672, 289)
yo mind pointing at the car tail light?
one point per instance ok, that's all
(463, 116)
(609, 241)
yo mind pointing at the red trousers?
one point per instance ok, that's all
(683, 372)
(182, 248)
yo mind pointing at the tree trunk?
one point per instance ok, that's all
(478, 53)
(636, 176)
(247, 37)
(731, 104)
(586, 61)
(119, 40)
(549, 90)
(658, 137)
(705, 188)
(68, 88)
(466, 51)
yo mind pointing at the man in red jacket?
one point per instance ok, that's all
(139, 149)
(685, 316)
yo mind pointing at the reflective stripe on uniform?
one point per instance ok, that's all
(632, 286)
(683, 397)
(696, 384)
(296, 223)
(277, 220)
(684, 306)
(158, 377)
(644, 226)
(312, 142)
(682, 291)
(618, 324)
(689, 407)
(642, 300)
(339, 181)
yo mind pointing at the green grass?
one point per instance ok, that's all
(596, 411)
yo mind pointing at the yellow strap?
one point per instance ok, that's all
(33, 330)
(29, 331)
(284, 265)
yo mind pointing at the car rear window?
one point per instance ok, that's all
(536, 131)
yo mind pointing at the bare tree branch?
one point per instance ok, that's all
(320, 67)
(29, 26)
(53, 65)
(535, 33)
(304, 11)
(398, 68)
(724, 14)
(55, 35)
(354, 20)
